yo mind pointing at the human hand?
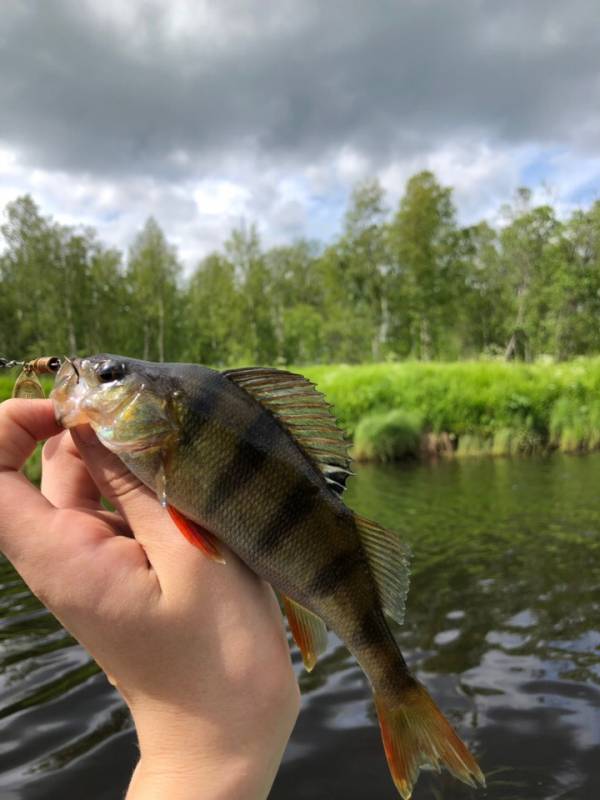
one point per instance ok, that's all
(197, 649)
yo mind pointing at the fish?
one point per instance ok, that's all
(253, 458)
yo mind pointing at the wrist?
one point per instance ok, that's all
(188, 755)
(222, 779)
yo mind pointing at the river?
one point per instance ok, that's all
(503, 626)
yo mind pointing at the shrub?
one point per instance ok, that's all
(388, 437)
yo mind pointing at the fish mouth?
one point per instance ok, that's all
(76, 396)
(67, 395)
(126, 416)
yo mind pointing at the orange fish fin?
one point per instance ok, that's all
(415, 733)
(196, 535)
(308, 630)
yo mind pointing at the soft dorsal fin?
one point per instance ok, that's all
(301, 409)
(309, 631)
(389, 561)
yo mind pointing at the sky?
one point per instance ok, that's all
(208, 114)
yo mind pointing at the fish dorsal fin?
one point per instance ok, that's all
(301, 409)
(309, 631)
(389, 562)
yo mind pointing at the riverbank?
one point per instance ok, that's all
(417, 410)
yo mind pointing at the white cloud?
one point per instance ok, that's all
(287, 201)
(216, 197)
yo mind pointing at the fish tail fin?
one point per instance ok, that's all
(415, 733)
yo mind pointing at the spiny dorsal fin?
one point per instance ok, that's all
(308, 630)
(304, 412)
(389, 561)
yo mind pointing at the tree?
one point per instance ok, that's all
(486, 299)
(59, 287)
(244, 252)
(416, 285)
(296, 300)
(530, 246)
(152, 279)
(353, 274)
(426, 252)
(28, 280)
(576, 307)
(214, 315)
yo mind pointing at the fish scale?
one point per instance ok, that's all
(253, 458)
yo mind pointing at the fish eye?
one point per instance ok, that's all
(111, 371)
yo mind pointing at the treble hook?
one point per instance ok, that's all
(75, 370)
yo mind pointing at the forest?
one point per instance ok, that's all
(396, 284)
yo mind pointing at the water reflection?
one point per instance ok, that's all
(502, 625)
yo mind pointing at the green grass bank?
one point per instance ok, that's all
(414, 409)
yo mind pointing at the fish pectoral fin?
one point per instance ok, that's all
(196, 535)
(388, 559)
(309, 631)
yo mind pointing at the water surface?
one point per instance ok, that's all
(502, 625)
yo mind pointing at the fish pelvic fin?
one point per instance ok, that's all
(196, 535)
(416, 733)
(309, 631)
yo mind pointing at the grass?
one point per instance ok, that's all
(467, 408)
(411, 409)
(391, 436)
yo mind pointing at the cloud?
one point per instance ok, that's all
(205, 112)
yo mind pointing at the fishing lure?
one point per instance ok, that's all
(28, 385)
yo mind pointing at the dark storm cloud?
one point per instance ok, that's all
(292, 80)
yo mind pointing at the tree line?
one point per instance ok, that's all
(395, 284)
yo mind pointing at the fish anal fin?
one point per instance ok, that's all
(415, 733)
(196, 535)
(388, 559)
(309, 631)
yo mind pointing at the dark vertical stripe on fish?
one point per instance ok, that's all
(330, 577)
(372, 630)
(203, 407)
(297, 506)
(250, 454)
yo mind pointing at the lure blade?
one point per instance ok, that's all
(28, 386)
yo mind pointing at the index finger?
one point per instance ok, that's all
(23, 423)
